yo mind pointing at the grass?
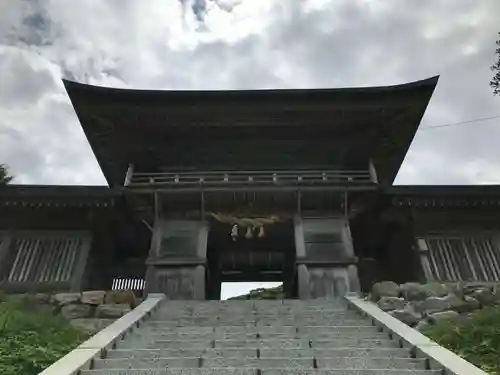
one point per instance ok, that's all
(30, 339)
(476, 339)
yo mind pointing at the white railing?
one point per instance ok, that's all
(81, 358)
(460, 258)
(439, 357)
(135, 284)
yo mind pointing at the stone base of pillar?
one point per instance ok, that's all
(326, 281)
(177, 282)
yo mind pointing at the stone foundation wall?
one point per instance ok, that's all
(422, 305)
(91, 311)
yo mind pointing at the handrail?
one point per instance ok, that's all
(82, 357)
(439, 357)
(263, 171)
(250, 177)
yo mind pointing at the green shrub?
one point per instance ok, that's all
(477, 339)
(31, 340)
(262, 293)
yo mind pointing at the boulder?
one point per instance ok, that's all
(435, 318)
(484, 296)
(496, 297)
(43, 297)
(112, 310)
(75, 311)
(433, 305)
(94, 297)
(413, 292)
(91, 326)
(471, 288)
(407, 316)
(65, 298)
(458, 304)
(384, 289)
(456, 288)
(435, 289)
(391, 303)
(422, 325)
(469, 304)
(121, 297)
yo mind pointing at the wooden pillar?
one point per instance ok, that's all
(176, 263)
(5, 245)
(128, 176)
(373, 172)
(326, 265)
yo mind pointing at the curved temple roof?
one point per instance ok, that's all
(153, 127)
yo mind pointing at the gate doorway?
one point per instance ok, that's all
(251, 255)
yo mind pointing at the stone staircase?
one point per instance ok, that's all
(257, 338)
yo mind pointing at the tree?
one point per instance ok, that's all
(495, 82)
(5, 178)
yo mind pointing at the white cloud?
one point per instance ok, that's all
(246, 44)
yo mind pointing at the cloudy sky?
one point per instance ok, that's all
(247, 44)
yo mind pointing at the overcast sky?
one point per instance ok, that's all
(247, 44)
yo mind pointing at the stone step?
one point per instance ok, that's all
(353, 342)
(248, 371)
(147, 343)
(253, 303)
(337, 372)
(355, 363)
(309, 333)
(218, 362)
(278, 329)
(267, 311)
(264, 309)
(260, 323)
(187, 352)
(153, 363)
(378, 352)
(155, 336)
(248, 323)
(347, 363)
(168, 307)
(176, 371)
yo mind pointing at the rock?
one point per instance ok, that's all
(496, 297)
(469, 304)
(43, 297)
(407, 316)
(413, 292)
(457, 303)
(91, 326)
(471, 288)
(384, 289)
(484, 296)
(75, 311)
(65, 298)
(121, 297)
(422, 325)
(112, 311)
(456, 288)
(433, 305)
(391, 303)
(443, 316)
(94, 297)
(435, 289)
